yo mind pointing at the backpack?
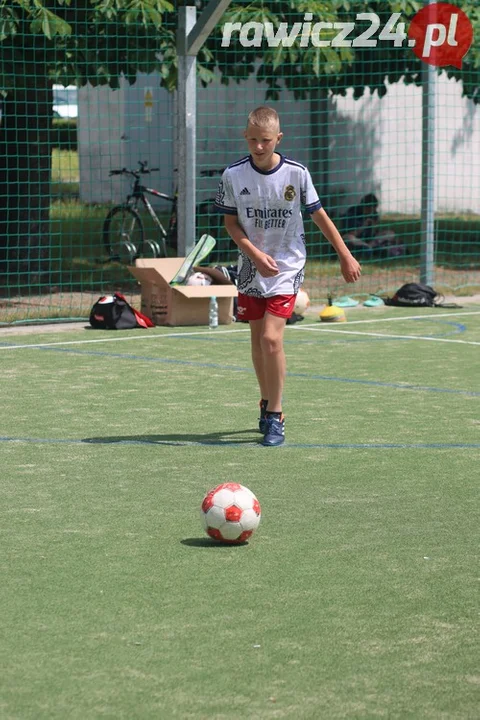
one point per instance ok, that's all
(112, 312)
(418, 295)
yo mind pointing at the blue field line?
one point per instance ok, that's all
(233, 443)
(239, 368)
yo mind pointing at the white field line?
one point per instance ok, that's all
(388, 336)
(213, 333)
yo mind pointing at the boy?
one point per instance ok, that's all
(261, 197)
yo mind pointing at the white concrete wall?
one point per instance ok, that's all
(377, 146)
(116, 129)
(100, 127)
(374, 144)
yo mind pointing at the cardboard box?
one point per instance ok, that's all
(181, 304)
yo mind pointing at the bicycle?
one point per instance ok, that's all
(123, 228)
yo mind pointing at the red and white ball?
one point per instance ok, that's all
(199, 278)
(302, 302)
(230, 513)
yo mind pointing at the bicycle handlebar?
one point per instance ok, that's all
(144, 170)
(135, 173)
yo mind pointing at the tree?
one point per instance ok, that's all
(59, 41)
(98, 41)
(302, 69)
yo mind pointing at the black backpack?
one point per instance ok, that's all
(418, 295)
(112, 312)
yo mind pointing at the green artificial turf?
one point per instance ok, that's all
(357, 597)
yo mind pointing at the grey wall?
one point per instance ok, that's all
(373, 144)
(117, 128)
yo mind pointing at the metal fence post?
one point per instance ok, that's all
(429, 98)
(186, 132)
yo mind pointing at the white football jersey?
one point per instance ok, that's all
(269, 209)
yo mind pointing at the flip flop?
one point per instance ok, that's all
(373, 302)
(345, 301)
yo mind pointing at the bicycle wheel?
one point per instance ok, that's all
(123, 234)
(151, 249)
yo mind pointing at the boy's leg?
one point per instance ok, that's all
(274, 364)
(279, 308)
(275, 371)
(268, 357)
(256, 331)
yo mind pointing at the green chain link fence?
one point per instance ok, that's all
(89, 87)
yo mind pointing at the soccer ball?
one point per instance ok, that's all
(199, 278)
(301, 303)
(230, 513)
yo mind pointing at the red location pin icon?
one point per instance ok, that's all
(440, 34)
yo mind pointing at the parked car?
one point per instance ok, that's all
(65, 101)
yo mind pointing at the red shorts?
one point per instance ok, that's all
(254, 308)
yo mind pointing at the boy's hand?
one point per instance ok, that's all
(266, 265)
(350, 268)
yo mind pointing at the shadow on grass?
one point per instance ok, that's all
(217, 438)
(210, 543)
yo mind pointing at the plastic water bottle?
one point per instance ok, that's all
(213, 313)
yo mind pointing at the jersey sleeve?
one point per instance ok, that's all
(309, 197)
(224, 200)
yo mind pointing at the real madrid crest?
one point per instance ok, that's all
(289, 193)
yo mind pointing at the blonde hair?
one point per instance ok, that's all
(264, 116)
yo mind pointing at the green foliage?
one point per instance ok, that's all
(302, 69)
(8, 25)
(101, 40)
(94, 42)
(49, 24)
